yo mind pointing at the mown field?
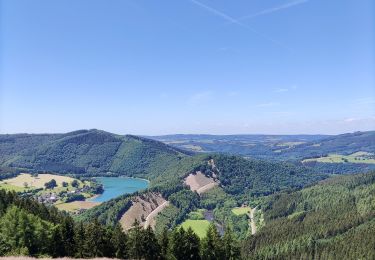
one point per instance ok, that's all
(241, 211)
(358, 157)
(26, 181)
(199, 226)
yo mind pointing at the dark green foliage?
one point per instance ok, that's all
(339, 168)
(331, 220)
(109, 212)
(185, 244)
(51, 184)
(274, 147)
(13, 145)
(89, 152)
(256, 178)
(264, 146)
(9, 172)
(212, 245)
(118, 241)
(74, 197)
(142, 243)
(75, 183)
(185, 201)
(230, 245)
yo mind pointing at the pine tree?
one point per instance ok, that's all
(67, 236)
(119, 240)
(164, 244)
(212, 248)
(178, 243)
(192, 245)
(135, 245)
(151, 246)
(94, 243)
(79, 238)
(231, 248)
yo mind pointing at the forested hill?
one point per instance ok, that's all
(86, 152)
(331, 220)
(275, 147)
(238, 178)
(342, 144)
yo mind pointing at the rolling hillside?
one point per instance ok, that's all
(89, 152)
(240, 180)
(331, 220)
(294, 148)
(274, 146)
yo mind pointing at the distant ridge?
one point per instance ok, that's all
(85, 152)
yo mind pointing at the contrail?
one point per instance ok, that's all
(237, 22)
(272, 10)
(217, 12)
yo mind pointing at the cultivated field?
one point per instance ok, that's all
(241, 210)
(34, 181)
(358, 157)
(76, 205)
(199, 226)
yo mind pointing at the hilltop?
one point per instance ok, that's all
(359, 146)
(87, 152)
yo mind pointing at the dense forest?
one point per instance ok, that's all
(95, 152)
(240, 180)
(86, 152)
(332, 220)
(296, 217)
(293, 148)
(30, 228)
(274, 147)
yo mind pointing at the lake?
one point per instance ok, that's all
(117, 186)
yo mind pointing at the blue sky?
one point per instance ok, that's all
(187, 66)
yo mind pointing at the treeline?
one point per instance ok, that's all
(241, 180)
(256, 178)
(339, 168)
(30, 228)
(89, 153)
(8, 172)
(331, 220)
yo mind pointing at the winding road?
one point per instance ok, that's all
(150, 218)
(252, 221)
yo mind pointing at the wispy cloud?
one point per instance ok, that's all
(280, 90)
(274, 9)
(233, 20)
(269, 104)
(200, 97)
(217, 13)
(351, 119)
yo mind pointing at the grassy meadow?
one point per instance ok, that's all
(199, 226)
(26, 181)
(358, 157)
(241, 211)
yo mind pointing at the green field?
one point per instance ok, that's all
(75, 205)
(241, 210)
(358, 157)
(196, 215)
(35, 182)
(9, 187)
(199, 226)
